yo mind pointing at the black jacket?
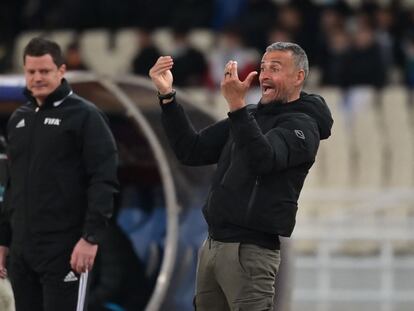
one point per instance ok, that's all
(263, 154)
(63, 166)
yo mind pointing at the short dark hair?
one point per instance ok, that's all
(39, 46)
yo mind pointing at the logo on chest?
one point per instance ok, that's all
(52, 121)
(20, 124)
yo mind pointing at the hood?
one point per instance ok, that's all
(311, 104)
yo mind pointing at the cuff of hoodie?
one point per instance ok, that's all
(240, 115)
(93, 236)
(171, 105)
(5, 235)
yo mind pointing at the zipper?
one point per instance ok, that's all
(29, 160)
(252, 197)
(233, 145)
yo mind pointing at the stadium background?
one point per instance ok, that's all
(353, 246)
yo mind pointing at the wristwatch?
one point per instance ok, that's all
(170, 95)
(90, 238)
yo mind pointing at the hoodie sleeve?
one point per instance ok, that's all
(5, 229)
(193, 147)
(294, 141)
(100, 158)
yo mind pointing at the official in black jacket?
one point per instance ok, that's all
(63, 165)
(263, 154)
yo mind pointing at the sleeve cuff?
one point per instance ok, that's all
(238, 115)
(171, 105)
(5, 236)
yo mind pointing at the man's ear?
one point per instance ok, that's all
(62, 70)
(300, 77)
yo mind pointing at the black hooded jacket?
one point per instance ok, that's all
(263, 154)
(63, 166)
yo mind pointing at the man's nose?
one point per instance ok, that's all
(263, 76)
(37, 76)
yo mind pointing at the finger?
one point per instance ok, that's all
(227, 67)
(3, 273)
(159, 68)
(233, 70)
(159, 71)
(162, 61)
(80, 267)
(228, 71)
(90, 264)
(249, 79)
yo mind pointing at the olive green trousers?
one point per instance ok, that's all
(235, 277)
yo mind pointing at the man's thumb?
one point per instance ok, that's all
(250, 78)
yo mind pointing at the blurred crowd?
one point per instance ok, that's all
(369, 43)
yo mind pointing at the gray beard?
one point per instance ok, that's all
(275, 101)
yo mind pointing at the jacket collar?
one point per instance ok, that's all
(311, 104)
(277, 107)
(55, 98)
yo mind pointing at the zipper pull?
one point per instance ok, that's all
(37, 109)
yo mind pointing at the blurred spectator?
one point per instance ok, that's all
(10, 25)
(399, 15)
(292, 18)
(306, 36)
(255, 21)
(118, 277)
(226, 12)
(369, 7)
(278, 34)
(332, 19)
(231, 47)
(332, 57)
(190, 65)
(409, 60)
(73, 57)
(5, 56)
(384, 33)
(341, 6)
(333, 44)
(147, 55)
(194, 13)
(406, 27)
(364, 61)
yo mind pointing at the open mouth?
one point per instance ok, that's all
(266, 89)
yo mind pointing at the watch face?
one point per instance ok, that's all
(90, 238)
(166, 96)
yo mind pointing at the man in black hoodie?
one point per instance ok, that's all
(63, 166)
(263, 154)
